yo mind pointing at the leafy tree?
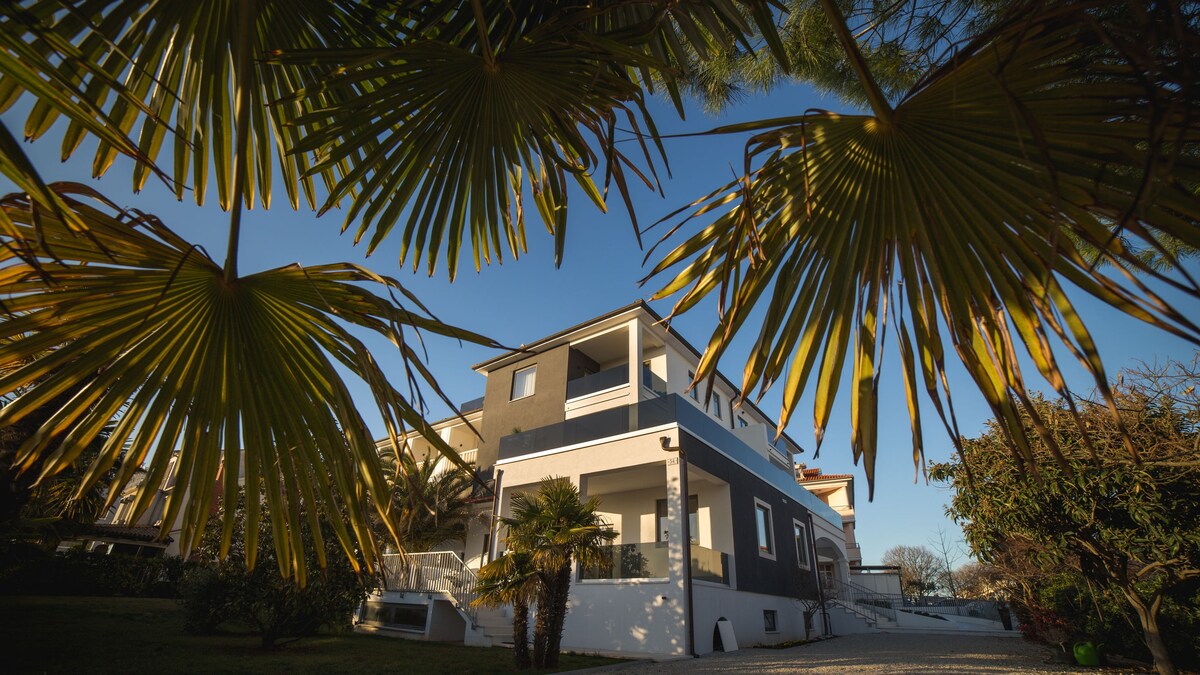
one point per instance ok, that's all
(1132, 527)
(969, 202)
(555, 528)
(232, 589)
(920, 569)
(512, 579)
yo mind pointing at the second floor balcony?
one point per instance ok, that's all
(659, 412)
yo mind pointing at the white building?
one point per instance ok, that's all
(606, 404)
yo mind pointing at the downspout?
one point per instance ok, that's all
(687, 542)
(495, 521)
(812, 548)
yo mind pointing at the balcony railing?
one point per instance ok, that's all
(653, 382)
(654, 413)
(605, 379)
(631, 561)
(648, 560)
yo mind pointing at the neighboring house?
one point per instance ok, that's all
(837, 491)
(606, 404)
(117, 531)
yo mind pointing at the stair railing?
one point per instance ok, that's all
(435, 572)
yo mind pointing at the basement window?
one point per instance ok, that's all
(770, 621)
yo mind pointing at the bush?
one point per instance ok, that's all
(31, 570)
(220, 591)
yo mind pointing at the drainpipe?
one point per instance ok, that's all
(495, 521)
(687, 541)
(812, 552)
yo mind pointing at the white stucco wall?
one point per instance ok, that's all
(745, 612)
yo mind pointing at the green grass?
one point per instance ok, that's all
(109, 635)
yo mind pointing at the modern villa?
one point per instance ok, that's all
(713, 525)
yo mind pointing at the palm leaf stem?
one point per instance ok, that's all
(243, 83)
(874, 95)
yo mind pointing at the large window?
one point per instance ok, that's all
(693, 520)
(523, 382)
(766, 534)
(801, 537)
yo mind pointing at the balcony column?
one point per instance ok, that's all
(635, 361)
(676, 562)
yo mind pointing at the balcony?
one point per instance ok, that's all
(649, 560)
(605, 379)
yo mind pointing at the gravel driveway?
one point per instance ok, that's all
(877, 653)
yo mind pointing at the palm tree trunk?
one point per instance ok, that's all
(562, 592)
(542, 624)
(521, 634)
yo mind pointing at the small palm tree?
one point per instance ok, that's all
(511, 579)
(556, 527)
(429, 507)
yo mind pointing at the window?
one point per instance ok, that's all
(801, 536)
(716, 404)
(693, 520)
(742, 423)
(770, 621)
(398, 616)
(523, 382)
(694, 392)
(766, 535)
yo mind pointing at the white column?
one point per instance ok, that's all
(635, 361)
(677, 591)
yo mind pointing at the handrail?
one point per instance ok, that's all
(864, 601)
(434, 572)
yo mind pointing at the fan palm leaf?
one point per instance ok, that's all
(242, 377)
(962, 216)
(30, 58)
(479, 103)
(169, 74)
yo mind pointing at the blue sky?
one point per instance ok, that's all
(520, 301)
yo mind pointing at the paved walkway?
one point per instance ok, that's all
(877, 653)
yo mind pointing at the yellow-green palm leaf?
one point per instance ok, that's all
(168, 74)
(959, 220)
(152, 339)
(482, 101)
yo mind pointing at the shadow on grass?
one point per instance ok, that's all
(109, 635)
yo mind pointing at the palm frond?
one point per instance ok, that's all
(473, 108)
(963, 220)
(241, 378)
(164, 72)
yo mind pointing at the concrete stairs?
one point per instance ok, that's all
(496, 625)
(846, 618)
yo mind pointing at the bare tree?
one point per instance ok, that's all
(919, 569)
(948, 553)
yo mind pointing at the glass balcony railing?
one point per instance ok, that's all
(657, 412)
(605, 379)
(710, 565)
(648, 560)
(631, 561)
(653, 382)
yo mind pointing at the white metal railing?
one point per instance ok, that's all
(469, 455)
(435, 572)
(861, 600)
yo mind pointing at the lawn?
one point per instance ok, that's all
(102, 635)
